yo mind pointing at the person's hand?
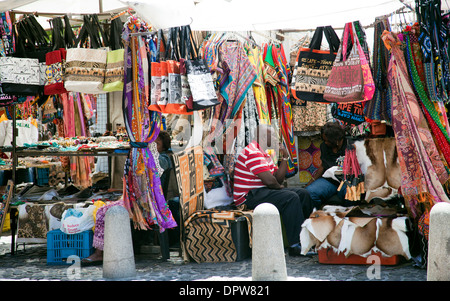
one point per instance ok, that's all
(283, 152)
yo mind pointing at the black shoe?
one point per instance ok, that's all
(297, 251)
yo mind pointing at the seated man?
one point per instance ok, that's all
(333, 146)
(258, 180)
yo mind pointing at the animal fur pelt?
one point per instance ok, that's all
(337, 228)
(378, 160)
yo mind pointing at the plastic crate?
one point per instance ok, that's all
(42, 176)
(61, 245)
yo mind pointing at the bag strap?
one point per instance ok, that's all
(332, 38)
(39, 32)
(316, 40)
(347, 37)
(160, 40)
(98, 29)
(57, 36)
(192, 49)
(88, 30)
(69, 36)
(168, 51)
(330, 35)
(115, 40)
(175, 43)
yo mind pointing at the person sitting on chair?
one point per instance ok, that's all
(258, 180)
(333, 146)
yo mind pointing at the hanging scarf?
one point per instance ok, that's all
(275, 60)
(422, 176)
(431, 114)
(143, 196)
(379, 107)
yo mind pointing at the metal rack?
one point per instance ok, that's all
(15, 154)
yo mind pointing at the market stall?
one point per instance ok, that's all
(210, 81)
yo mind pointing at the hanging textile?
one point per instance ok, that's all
(143, 196)
(233, 87)
(379, 107)
(434, 43)
(432, 115)
(255, 58)
(422, 171)
(279, 73)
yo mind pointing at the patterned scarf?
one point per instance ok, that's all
(379, 107)
(422, 171)
(431, 114)
(276, 59)
(143, 196)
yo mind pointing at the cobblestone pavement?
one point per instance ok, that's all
(29, 263)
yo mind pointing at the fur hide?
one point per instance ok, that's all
(378, 160)
(332, 228)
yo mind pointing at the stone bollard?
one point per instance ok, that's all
(438, 267)
(268, 261)
(118, 255)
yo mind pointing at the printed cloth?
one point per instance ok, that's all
(422, 169)
(143, 194)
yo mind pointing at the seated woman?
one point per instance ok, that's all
(333, 146)
(163, 145)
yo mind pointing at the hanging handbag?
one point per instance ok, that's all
(346, 81)
(19, 76)
(85, 70)
(369, 84)
(350, 113)
(54, 72)
(114, 73)
(32, 42)
(62, 38)
(156, 78)
(86, 67)
(313, 67)
(6, 99)
(200, 79)
(177, 74)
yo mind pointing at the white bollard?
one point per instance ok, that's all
(268, 261)
(118, 255)
(438, 267)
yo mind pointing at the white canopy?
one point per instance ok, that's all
(62, 6)
(287, 14)
(226, 15)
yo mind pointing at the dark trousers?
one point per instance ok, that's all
(293, 204)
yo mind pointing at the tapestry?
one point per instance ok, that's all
(189, 173)
(308, 157)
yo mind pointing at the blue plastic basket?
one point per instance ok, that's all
(42, 175)
(61, 245)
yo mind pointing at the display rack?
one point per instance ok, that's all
(15, 154)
